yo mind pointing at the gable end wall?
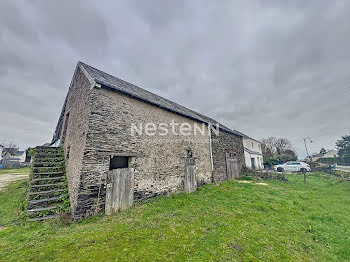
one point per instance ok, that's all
(77, 104)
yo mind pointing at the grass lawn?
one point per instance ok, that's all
(14, 171)
(283, 221)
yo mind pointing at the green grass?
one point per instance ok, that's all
(14, 171)
(11, 201)
(284, 221)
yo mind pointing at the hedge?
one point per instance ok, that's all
(344, 160)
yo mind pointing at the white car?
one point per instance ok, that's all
(293, 166)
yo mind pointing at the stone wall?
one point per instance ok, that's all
(78, 106)
(220, 144)
(158, 160)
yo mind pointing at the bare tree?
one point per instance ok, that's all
(272, 147)
(268, 146)
(282, 145)
(12, 145)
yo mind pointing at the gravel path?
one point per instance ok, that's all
(6, 179)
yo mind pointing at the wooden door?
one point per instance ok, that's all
(190, 182)
(232, 170)
(120, 190)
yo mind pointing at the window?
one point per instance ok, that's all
(189, 153)
(252, 145)
(119, 162)
(68, 150)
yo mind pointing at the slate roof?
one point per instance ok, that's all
(12, 151)
(116, 84)
(248, 137)
(251, 151)
(318, 155)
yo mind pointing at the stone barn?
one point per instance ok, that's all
(121, 139)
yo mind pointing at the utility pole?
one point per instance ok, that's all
(307, 153)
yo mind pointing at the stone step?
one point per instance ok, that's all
(47, 185)
(47, 162)
(49, 159)
(52, 149)
(45, 200)
(47, 167)
(58, 165)
(39, 193)
(43, 218)
(48, 174)
(34, 210)
(48, 155)
(47, 148)
(47, 152)
(47, 178)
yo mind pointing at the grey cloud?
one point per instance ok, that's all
(267, 68)
(75, 22)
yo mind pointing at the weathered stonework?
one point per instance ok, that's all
(77, 105)
(159, 160)
(220, 144)
(99, 127)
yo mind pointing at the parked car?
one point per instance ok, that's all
(293, 166)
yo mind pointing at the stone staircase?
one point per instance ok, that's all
(48, 194)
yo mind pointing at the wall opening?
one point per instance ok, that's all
(119, 162)
(252, 160)
(189, 153)
(68, 151)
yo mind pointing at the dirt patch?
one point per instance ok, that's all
(2, 228)
(236, 247)
(6, 179)
(251, 182)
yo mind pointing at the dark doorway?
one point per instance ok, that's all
(252, 160)
(119, 162)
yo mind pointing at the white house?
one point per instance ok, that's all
(13, 154)
(331, 153)
(252, 153)
(314, 157)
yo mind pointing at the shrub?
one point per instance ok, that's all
(344, 160)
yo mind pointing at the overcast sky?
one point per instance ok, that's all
(265, 68)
